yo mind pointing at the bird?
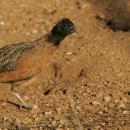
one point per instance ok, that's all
(21, 61)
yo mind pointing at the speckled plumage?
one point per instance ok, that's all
(11, 53)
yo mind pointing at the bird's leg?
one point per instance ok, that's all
(22, 102)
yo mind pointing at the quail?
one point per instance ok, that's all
(21, 61)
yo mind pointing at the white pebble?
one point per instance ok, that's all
(2, 22)
(125, 112)
(69, 53)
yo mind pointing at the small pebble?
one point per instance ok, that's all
(102, 16)
(36, 119)
(2, 22)
(61, 121)
(4, 104)
(69, 53)
(47, 113)
(26, 121)
(107, 98)
(58, 109)
(121, 105)
(84, 4)
(99, 95)
(56, 118)
(27, 33)
(52, 82)
(34, 31)
(26, 97)
(35, 106)
(53, 122)
(125, 112)
(119, 74)
(95, 103)
(101, 112)
(74, 59)
(17, 121)
(91, 85)
(78, 107)
(111, 105)
(5, 118)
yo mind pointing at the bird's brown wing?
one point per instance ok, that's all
(30, 63)
(11, 53)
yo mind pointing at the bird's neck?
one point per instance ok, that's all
(54, 38)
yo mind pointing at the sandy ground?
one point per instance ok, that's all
(87, 84)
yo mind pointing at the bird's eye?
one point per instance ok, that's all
(64, 25)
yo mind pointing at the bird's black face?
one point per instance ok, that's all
(65, 27)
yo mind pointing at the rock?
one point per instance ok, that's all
(17, 121)
(26, 97)
(124, 99)
(61, 121)
(69, 53)
(2, 23)
(111, 105)
(116, 100)
(52, 82)
(5, 118)
(4, 104)
(119, 74)
(34, 31)
(26, 121)
(74, 59)
(78, 107)
(121, 105)
(95, 103)
(102, 16)
(91, 85)
(47, 113)
(107, 98)
(58, 109)
(99, 95)
(57, 118)
(53, 122)
(84, 4)
(35, 106)
(100, 112)
(40, 128)
(36, 119)
(125, 112)
(39, 86)
(27, 33)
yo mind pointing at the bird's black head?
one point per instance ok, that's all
(63, 28)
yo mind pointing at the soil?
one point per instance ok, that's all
(87, 84)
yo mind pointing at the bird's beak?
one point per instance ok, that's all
(73, 29)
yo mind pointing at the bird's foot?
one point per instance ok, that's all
(26, 105)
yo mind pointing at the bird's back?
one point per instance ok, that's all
(24, 60)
